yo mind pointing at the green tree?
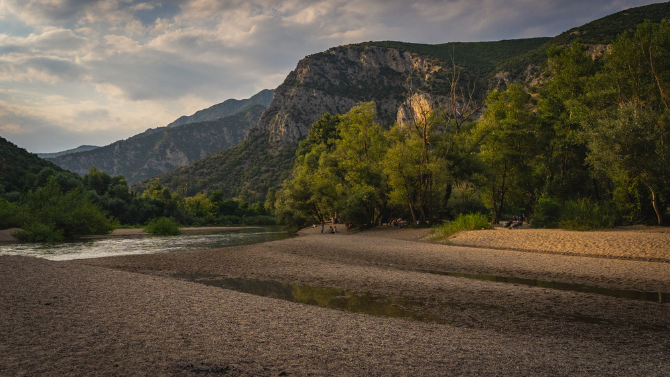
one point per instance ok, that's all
(52, 215)
(631, 143)
(200, 206)
(360, 182)
(562, 108)
(509, 148)
(629, 138)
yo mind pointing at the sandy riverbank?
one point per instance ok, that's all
(641, 243)
(129, 315)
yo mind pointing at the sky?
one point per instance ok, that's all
(76, 72)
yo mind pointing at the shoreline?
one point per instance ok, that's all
(124, 314)
(6, 237)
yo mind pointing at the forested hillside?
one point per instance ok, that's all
(403, 79)
(21, 169)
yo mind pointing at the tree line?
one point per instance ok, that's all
(62, 207)
(585, 148)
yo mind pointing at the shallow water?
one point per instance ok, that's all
(660, 297)
(132, 245)
(394, 306)
(325, 297)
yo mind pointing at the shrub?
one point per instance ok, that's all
(259, 220)
(50, 215)
(547, 214)
(39, 232)
(585, 215)
(11, 215)
(229, 220)
(463, 222)
(163, 226)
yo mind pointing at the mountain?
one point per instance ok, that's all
(20, 168)
(81, 148)
(337, 79)
(249, 168)
(226, 108)
(158, 151)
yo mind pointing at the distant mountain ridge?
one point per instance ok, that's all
(226, 108)
(337, 79)
(161, 150)
(81, 148)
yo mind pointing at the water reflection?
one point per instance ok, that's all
(114, 246)
(333, 298)
(390, 306)
(583, 288)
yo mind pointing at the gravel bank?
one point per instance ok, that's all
(128, 315)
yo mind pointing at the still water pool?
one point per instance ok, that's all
(114, 246)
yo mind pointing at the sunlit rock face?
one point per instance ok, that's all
(336, 80)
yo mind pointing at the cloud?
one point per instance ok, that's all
(110, 68)
(12, 129)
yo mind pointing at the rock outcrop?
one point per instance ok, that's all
(336, 80)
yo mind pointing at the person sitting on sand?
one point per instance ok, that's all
(331, 230)
(336, 229)
(510, 222)
(516, 223)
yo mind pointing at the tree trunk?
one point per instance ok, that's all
(657, 208)
(447, 196)
(411, 210)
(498, 211)
(655, 203)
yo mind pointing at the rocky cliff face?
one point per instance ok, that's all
(158, 151)
(336, 80)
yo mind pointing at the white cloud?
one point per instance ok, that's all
(12, 129)
(112, 68)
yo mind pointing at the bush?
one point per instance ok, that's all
(39, 232)
(259, 220)
(11, 215)
(585, 215)
(163, 226)
(547, 214)
(462, 223)
(50, 215)
(229, 220)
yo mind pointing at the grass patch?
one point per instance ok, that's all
(472, 221)
(585, 215)
(547, 214)
(163, 226)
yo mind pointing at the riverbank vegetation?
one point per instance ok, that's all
(98, 203)
(163, 226)
(585, 148)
